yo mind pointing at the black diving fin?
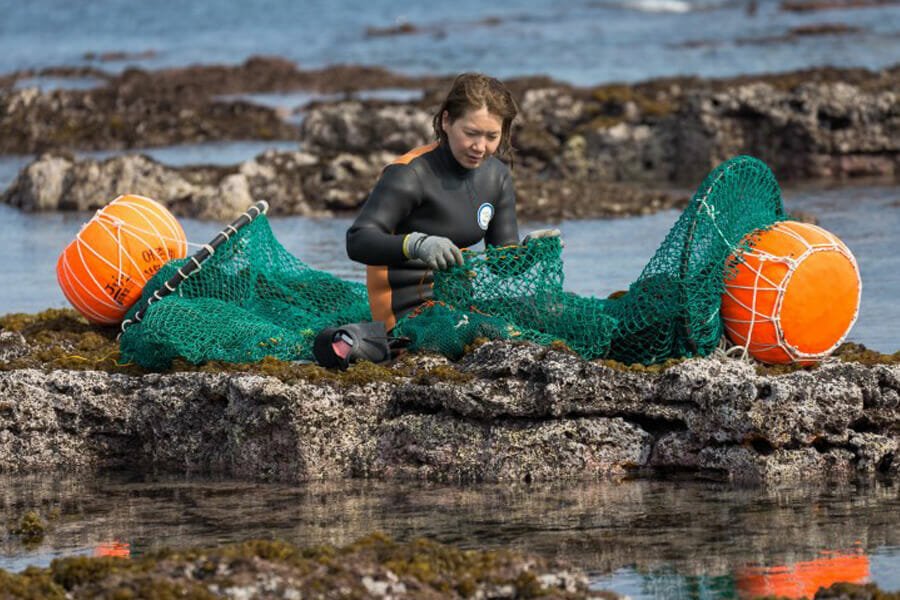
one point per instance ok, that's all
(341, 346)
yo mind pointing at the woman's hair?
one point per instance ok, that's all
(471, 91)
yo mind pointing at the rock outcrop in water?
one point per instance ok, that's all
(296, 183)
(372, 567)
(601, 151)
(506, 412)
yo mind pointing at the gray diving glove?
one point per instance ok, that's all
(541, 233)
(439, 253)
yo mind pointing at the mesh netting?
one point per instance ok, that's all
(254, 299)
(250, 300)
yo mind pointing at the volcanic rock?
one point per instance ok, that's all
(515, 412)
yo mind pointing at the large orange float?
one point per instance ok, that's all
(795, 294)
(103, 270)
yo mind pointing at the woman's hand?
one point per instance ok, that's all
(439, 253)
(541, 233)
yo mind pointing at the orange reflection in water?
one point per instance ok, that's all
(804, 578)
(113, 548)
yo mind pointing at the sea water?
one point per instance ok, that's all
(582, 42)
(644, 539)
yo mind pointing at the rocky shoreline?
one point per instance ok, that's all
(581, 152)
(505, 412)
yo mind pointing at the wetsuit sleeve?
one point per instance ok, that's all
(504, 229)
(371, 239)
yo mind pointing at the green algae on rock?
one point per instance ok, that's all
(375, 566)
(63, 339)
(854, 591)
(30, 529)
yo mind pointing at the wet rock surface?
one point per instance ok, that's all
(609, 150)
(509, 412)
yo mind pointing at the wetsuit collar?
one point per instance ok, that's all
(447, 158)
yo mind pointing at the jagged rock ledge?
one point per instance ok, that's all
(505, 412)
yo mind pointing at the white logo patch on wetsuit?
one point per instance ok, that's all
(485, 214)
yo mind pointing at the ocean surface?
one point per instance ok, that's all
(582, 41)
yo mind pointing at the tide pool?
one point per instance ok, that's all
(645, 539)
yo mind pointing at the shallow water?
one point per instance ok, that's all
(584, 41)
(205, 153)
(50, 84)
(647, 539)
(601, 255)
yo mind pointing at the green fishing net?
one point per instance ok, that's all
(253, 299)
(249, 300)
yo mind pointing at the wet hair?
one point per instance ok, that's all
(471, 91)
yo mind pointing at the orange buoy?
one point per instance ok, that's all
(794, 296)
(103, 270)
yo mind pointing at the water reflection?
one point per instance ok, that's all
(803, 578)
(113, 548)
(647, 539)
(794, 580)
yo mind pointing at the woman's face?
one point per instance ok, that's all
(473, 137)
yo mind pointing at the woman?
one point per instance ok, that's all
(439, 198)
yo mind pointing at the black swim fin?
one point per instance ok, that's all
(341, 346)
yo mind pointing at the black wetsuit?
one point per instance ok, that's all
(428, 191)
